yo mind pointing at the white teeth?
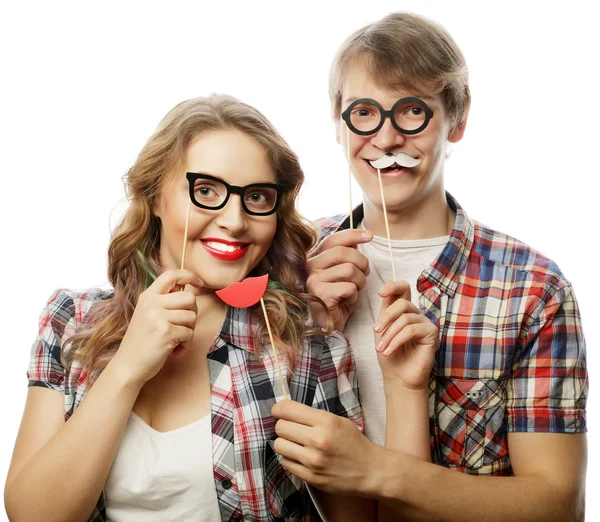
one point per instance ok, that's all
(222, 246)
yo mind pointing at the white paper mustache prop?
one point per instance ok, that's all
(388, 159)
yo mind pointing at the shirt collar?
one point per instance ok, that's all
(237, 330)
(444, 271)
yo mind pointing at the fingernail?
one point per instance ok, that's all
(366, 234)
(387, 352)
(377, 327)
(380, 346)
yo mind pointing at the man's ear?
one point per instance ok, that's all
(457, 134)
(338, 125)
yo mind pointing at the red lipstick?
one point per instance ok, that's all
(233, 250)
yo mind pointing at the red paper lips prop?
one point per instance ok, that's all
(246, 293)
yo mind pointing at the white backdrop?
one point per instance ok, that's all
(83, 86)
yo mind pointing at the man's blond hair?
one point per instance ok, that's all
(403, 51)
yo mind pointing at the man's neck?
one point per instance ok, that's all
(431, 217)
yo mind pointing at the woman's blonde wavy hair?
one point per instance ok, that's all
(133, 254)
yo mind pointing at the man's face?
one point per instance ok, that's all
(404, 187)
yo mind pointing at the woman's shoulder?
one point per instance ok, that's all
(66, 309)
(61, 317)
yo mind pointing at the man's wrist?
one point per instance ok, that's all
(396, 390)
(386, 475)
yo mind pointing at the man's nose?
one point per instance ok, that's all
(387, 137)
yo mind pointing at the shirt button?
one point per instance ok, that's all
(226, 483)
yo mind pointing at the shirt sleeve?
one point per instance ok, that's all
(337, 386)
(56, 319)
(548, 387)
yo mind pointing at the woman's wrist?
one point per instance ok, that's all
(122, 376)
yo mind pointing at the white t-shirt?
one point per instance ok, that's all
(158, 476)
(410, 259)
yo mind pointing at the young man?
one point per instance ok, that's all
(476, 356)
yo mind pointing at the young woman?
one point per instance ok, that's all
(153, 401)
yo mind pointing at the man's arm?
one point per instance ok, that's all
(549, 484)
(330, 453)
(338, 508)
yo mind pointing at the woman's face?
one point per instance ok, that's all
(224, 245)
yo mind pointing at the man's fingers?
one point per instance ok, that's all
(399, 289)
(292, 431)
(348, 238)
(394, 328)
(298, 470)
(390, 313)
(411, 332)
(338, 255)
(345, 272)
(333, 293)
(298, 413)
(351, 299)
(291, 450)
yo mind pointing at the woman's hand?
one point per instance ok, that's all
(163, 318)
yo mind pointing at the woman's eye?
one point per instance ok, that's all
(256, 197)
(206, 192)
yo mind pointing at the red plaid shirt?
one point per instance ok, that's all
(511, 352)
(250, 482)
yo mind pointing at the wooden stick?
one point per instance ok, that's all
(262, 303)
(387, 226)
(185, 234)
(349, 174)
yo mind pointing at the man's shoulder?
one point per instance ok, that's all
(503, 249)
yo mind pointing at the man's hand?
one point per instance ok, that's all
(405, 339)
(327, 451)
(337, 272)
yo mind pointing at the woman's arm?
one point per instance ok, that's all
(59, 468)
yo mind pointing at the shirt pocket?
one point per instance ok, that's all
(470, 424)
(285, 493)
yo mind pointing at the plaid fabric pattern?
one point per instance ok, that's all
(250, 482)
(511, 352)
